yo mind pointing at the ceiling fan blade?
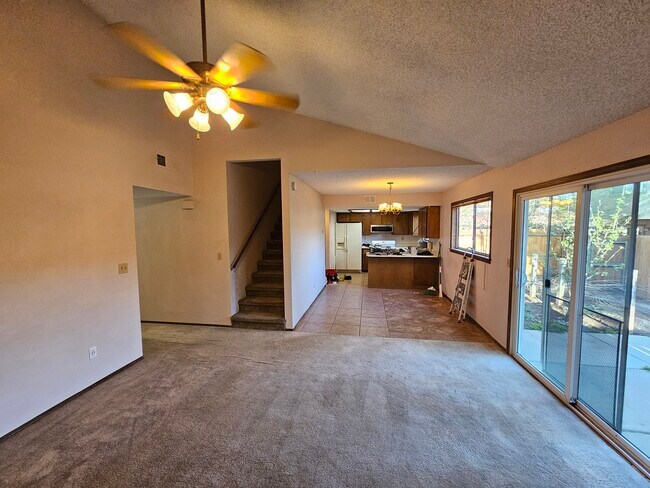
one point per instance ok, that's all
(248, 122)
(264, 98)
(134, 83)
(141, 42)
(238, 64)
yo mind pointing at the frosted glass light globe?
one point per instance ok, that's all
(217, 100)
(233, 118)
(177, 102)
(200, 121)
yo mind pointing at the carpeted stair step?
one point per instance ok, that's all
(274, 244)
(265, 290)
(278, 226)
(272, 254)
(258, 320)
(262, 304)
(270, 265)
(276, 235)
(268, 277)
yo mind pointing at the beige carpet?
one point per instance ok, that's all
(221, 407)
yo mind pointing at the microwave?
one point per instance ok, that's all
(381, 229)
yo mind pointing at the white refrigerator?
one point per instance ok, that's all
(348, 246)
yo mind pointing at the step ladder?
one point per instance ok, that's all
(459, 302)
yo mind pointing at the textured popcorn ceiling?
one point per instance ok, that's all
(492, 81)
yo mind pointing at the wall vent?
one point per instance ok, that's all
(161, 160)
(369, 199)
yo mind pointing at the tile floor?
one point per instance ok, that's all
(351, 308)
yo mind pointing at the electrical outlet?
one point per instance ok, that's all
(92, 352)
(123, 268)
(219, 256)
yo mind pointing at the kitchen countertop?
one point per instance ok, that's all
(400, 256)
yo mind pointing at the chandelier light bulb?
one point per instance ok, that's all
(233, 118)
(217, 101)
(177, 102)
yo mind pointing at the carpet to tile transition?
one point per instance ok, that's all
(221, 407)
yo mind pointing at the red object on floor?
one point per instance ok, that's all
(331, 275)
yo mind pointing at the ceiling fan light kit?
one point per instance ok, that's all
(207, 87)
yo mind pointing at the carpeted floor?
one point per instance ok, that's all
(221, 407)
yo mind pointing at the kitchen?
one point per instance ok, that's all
(397, 250)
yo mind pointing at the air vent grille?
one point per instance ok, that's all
(161, 160)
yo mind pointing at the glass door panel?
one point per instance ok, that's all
(635, 424)
(545, 291)
(610, 217)
(614, 379)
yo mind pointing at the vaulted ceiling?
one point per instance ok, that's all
(494, 82)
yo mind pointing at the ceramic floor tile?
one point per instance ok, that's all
(317, 328)
(347, 320)
(373, 321)
(321, 320)
(350, 312)
(340, 329)
(386, 313)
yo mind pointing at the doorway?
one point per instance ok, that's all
(581, 300)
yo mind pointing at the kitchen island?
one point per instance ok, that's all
(402, 271)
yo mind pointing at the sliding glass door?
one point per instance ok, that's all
(581, 300)
(545, 267)
(614, 369)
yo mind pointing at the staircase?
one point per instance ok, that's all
(263, 305)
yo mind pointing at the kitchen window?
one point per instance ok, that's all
(471, 226)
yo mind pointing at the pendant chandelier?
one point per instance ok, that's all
(390, 208)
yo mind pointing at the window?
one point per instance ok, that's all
(471, 226)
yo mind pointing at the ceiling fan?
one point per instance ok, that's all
(204, 86)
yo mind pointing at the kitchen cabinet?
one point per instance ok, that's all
(401, 223)
(404, 272)
(343, 218)
(365, 223)
(364, 259)
(422, 219)
(429, 222)
(433, 222)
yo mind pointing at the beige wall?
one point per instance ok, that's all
(70, 155)
(626, 139)
(162, 253)
(307, 248)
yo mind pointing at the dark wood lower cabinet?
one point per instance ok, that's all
(402, 272)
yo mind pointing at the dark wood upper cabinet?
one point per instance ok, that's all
(343, 218)
(433, 222)
(429, 222)
(402, 223)
(365, 223)
(422, 219)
